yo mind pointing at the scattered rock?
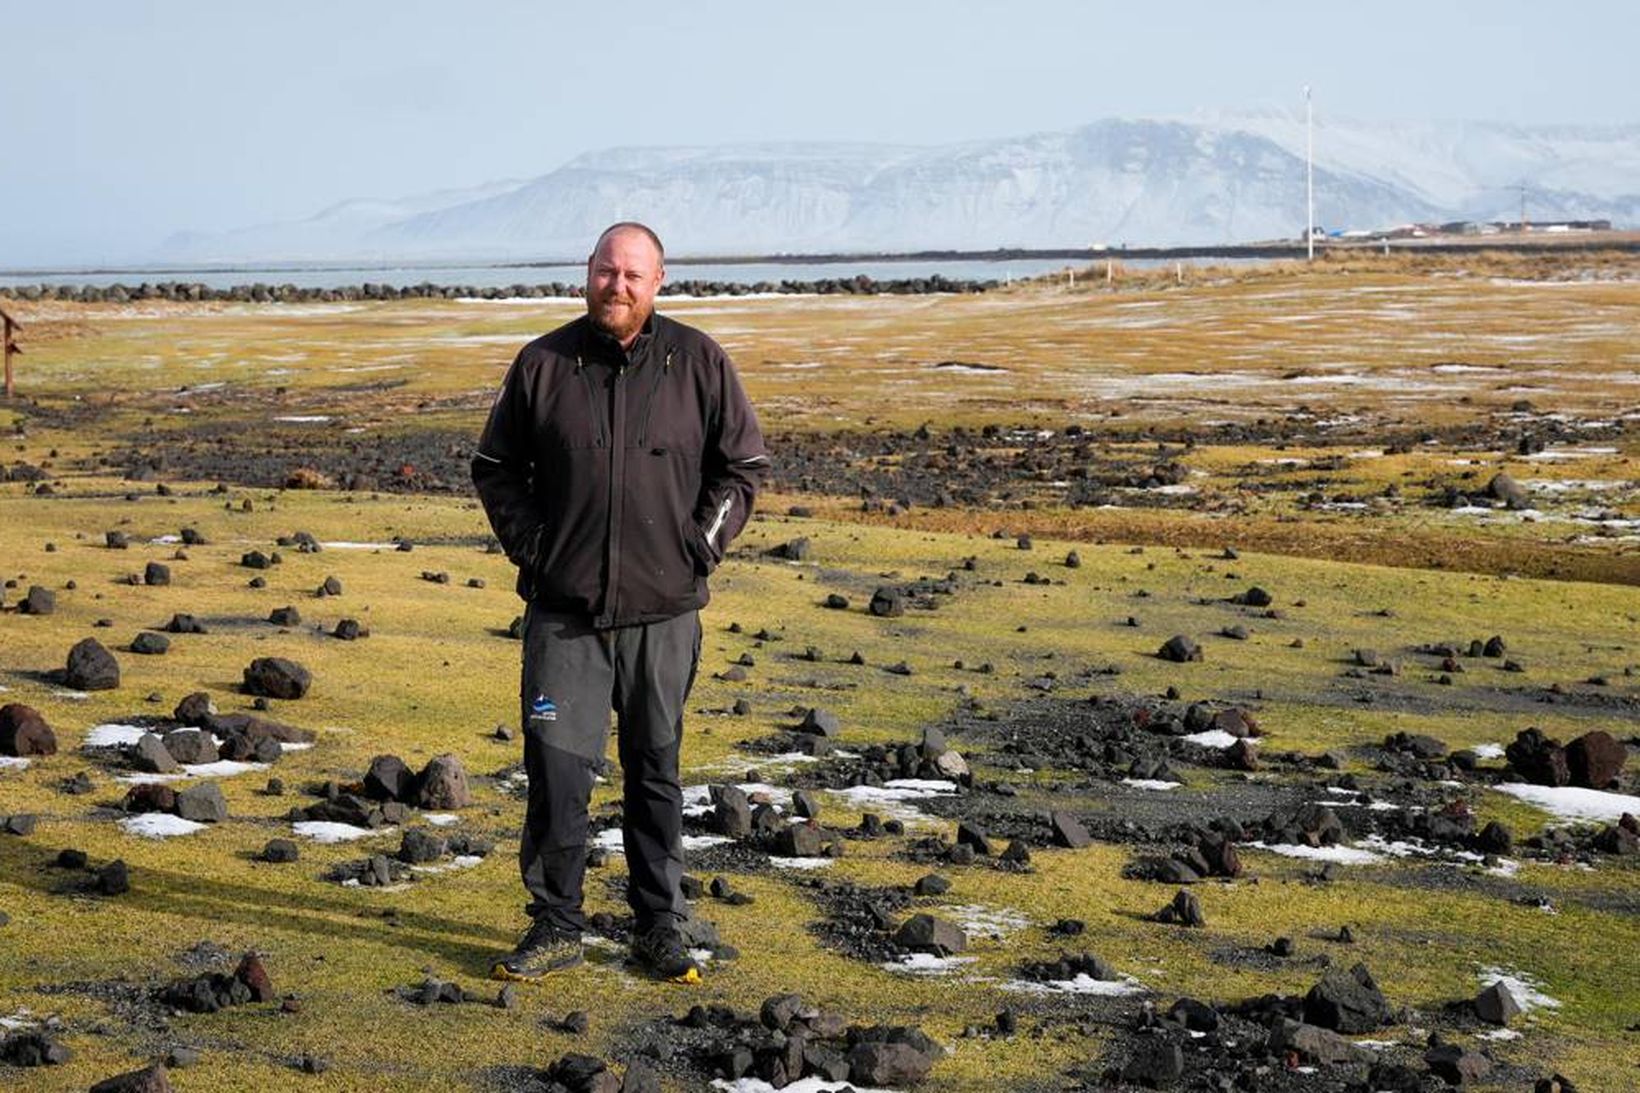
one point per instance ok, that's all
(277, 677)
(926, 934)
(442, 784)
(91, 667)
(1180, 649)
(150, 1079)
(1348, 1002)
(24, 731)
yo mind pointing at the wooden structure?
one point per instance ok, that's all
(11, 326)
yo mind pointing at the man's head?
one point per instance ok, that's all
(624, 273)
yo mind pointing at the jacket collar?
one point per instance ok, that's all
(603, 346)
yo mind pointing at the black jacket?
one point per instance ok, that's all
(615, 479)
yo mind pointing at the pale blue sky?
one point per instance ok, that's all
(126, 121)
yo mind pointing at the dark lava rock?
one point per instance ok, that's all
(1314, 1044)
(442, 784)
(1538, 758)
(202, 803)
(276, 677)
(349, 630)
(820, 722)
(1348, 1002)
(836, 602)
(926, 934)
(1595, 759)
(150, 644)
(1253, 597)
(114, 879)
(1510, 492)
(420, 846)
(1068, 830)
(931, 885)
(1156, 1062)
(1180, 649)
(150, 1079)
(1456, 1065)
(971, 835)
(285, 616)
(796, 550)
(1073, 560)
(191, 746)
(887, 602)
(196, 709)
(389, 779)
(33, 1048)
(39, 601)
(330, 587)
(24, 731)
(21, 823)
(280, 851)
(150, 797)
(150, 755)
(887, 1063)
(156, 574)
(1496, 1005)
(732, 812)
(91, 667)
(117, 540)
(1185, 910)
(185, 624)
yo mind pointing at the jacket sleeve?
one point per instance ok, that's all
(503, 468)
(732, 467)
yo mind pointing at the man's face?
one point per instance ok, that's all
(623, 275)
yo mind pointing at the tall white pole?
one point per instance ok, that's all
(1309, 175)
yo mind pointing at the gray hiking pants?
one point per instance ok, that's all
(573, 676)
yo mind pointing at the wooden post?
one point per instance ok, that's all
(8, 326)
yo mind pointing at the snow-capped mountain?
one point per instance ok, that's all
(1205, 180)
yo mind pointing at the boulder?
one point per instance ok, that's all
(820, 722)
(24, 731)
(276, 677)
(926, 934)
(1156, 1062)
(420, 846)
(389, 779)
(156, 574)
(280, 851)
(183, 623)
(887, 602)
(203, 803)
(798, 841)
(1595, 759)
(1348, 1002)
(91, 667)
(150, 644)
(195, 709)
(285, 616)
(1457, 1065)
(150, 755)
(39, 601)
(1504, 488)
(1180, 649)
(150, 1079)
(1068, 831)
(732, 812)
(150, 797)
(1496, 1005)
(33, 1047)
(1314, 1044)
(886, 1064)
(1538, 758)
(443, 784)
(191, 746)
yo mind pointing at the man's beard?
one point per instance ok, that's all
(619, 322)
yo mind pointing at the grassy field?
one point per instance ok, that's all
(1393, 347)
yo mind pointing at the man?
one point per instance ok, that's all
(620, 458)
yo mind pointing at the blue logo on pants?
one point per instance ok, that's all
(542, 709)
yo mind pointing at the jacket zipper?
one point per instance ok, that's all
(592, 399)
(717, 520)
(649, 404)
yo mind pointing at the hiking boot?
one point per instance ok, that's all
(543, 949)
(661, 950)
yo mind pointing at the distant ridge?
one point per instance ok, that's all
(1202, 181)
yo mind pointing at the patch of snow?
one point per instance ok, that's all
(222, 768)
(697, 800)
(1150, 783)
(13, 762)
(899, 789)
(701, 842)
(343, 545)
(75, 696)
(328, 831)
(1082, 984)
(1212, 738)
(21, 1019)
(801, 863)
(1551, 454)
(927, 964)
(1488, 751)
(1522, 986)
(1500, 1034)
(1344, 855)
(298, 745)
(158, 825)
(113, 734)
(441, 819)
(460, 861)
(304, 419)
(979, 919)
(1572, 802)
(810, 1084)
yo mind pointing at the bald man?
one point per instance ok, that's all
(619, 460)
